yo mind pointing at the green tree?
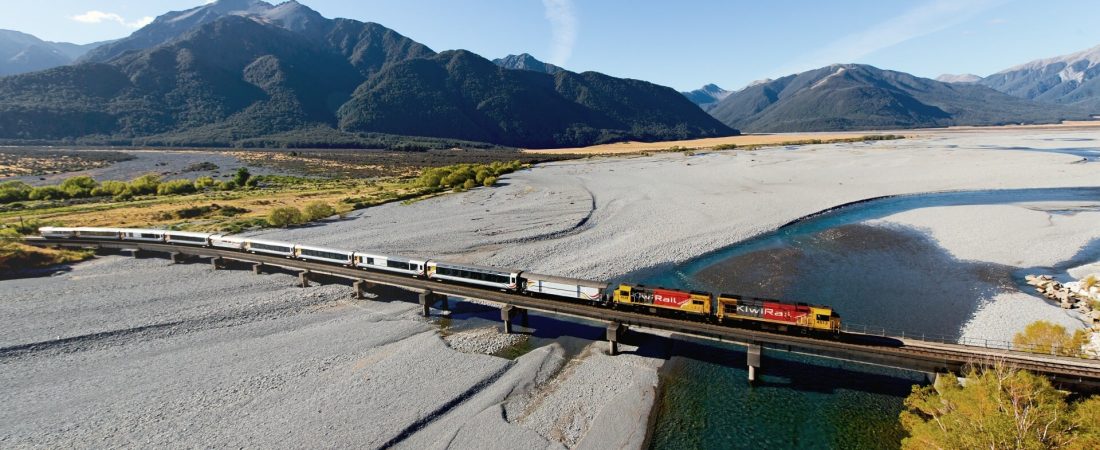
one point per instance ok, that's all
(242, 176)
(284, 217)
(1049, 338)
(1086, 415)
(318, 210)
(999, 408)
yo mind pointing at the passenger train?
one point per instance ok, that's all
(721, 308)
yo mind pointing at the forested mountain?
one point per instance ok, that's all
(1072, 79)
(21, 53)
(459, 94)
(242, 71)
(857, 97)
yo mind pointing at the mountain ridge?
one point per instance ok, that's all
(861, 97)
(22, 52)
(1071, 79)
(242, 77)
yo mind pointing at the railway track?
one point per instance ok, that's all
(904, 353)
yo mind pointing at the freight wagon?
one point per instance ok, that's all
(572, 288)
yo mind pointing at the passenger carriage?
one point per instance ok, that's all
(269, 247)
(311, 253)
(57, 232)
(99, 233)
(414, 267)
(187, 238)
(142, 235)
(483, 276)
(229, 242)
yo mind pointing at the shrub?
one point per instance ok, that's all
(14, 191)
(46, 193)
(203, 182)
(242, 176)
(1049, 338)
(76, 187)
(284, 217)
(109, 188)
(226, 186)
(145, 184)
(318, 210)
(489, 181)
(176, 187)
(469, 184)
(252, 182)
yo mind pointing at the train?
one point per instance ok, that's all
(726, 309)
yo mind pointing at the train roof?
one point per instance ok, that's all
(187, 233)
(324, 249)
(759, 299)
(451, 265)
(394, 257)
(263, 241)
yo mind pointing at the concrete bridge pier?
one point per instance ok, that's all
(303, 278)
(359, 286)
(754, 352)
(258, 268)
(427, 298)
(508, 313)
(217, 263)
(615, 331)
(177, 257)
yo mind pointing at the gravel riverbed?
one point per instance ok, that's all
(142, 352)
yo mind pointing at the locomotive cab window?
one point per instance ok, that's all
(696, 302)
(822, 318)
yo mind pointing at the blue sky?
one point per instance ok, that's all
(682, 44)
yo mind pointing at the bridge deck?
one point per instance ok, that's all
(911, 354)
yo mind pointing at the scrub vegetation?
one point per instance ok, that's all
(999, 407)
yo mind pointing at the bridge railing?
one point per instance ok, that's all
(1056, 350)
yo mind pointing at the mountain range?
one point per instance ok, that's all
(238, 70)
(1072, 79)
(21, 53)
(858, 97)
(247, 72)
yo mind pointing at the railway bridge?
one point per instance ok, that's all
(908, 353)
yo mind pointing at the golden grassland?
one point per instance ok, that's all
(780, 139)
(745, 140)
(15, 256)
(205, 211)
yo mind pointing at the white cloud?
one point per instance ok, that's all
(563, 25)
(101, 17)
(930, 17)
